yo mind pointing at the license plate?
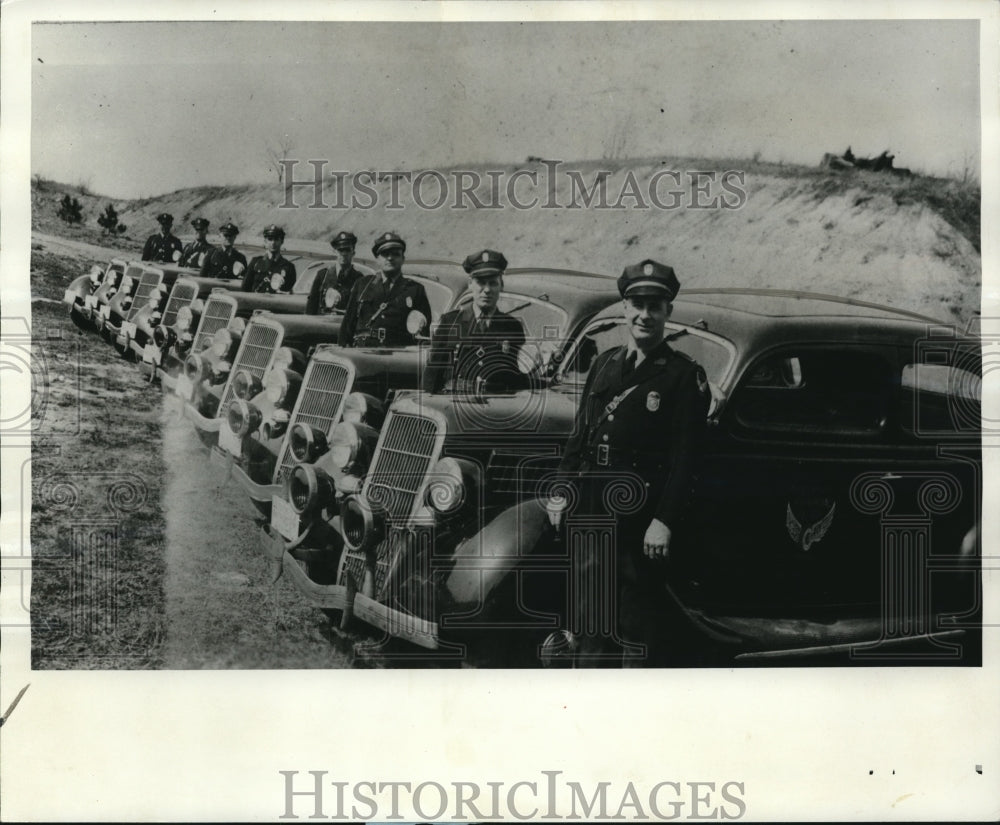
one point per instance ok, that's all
(229, 441)
(184, 388)
(69, 297)
(90, 301)
(151, 354)
(283, 518)
(128, 329)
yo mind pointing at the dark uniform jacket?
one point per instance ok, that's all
(191, 256)
(377, 308)
(654, 432)
(258, 276)
(333, 278)
(219, 263)
(161, 248)
(464, 349)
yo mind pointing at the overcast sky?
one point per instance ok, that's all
(135, 109)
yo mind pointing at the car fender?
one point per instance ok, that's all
(485, 560)
(80, 287)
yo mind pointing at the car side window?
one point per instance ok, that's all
(940, 399)
(816, 392)
(595, 340)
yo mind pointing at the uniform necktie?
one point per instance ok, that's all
(629, 366)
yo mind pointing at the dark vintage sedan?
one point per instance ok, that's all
(506, 427)
(344, 393)
(842, 469)
(191, 331)
(85, 292)
(263, 364)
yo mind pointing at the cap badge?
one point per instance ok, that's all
(388, 236)
(505, 347)
(653, 401)
(486, 257)
(648, 269)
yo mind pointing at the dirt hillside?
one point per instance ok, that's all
(907, 242)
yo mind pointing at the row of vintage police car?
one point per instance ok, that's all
(835, 516)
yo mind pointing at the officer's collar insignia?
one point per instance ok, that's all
(660, 362)
(653, 401)
(807, 537)
(648, 269)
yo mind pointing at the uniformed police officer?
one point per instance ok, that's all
(478, 344)
(194, 253)
(225, 261)
(339, 278)
(162, 246)
(379, 304)
(270, 273)
(640, 421)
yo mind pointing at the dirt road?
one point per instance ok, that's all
(168, 575)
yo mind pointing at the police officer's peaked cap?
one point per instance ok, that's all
(344, 239)
(165, 217)
(229, 228)
(649, 278)
(273, 231)
(200, 223)
(485, 264)
(388, 240)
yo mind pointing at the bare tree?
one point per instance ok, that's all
(277, 150)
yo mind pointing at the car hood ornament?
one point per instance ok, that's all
(808, 536)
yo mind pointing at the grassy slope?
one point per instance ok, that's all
(909, 242)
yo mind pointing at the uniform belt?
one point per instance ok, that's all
(382, 335)
(603, 455)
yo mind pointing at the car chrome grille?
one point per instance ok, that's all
(219, 311)
(320, 402)
(403, 458)
(260, 342)
(147, 283)
(182, 295)
(408, 447)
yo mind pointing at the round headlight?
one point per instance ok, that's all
(198, 306)
(185, 317)
(243, 417)
(281, 386)
(359, 406)
(345, 444)
(446, 489)
(288, 358)
(222, 342)
(246, 384)
(307, 487)
(306, 442)
(238, 325)
(163, 336)
(194, 368)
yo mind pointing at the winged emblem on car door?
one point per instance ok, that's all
(812, 534)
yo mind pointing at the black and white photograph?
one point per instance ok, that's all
(485, 411)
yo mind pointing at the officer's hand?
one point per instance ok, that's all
(656, 544)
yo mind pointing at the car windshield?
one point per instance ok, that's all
(439, 296)
(542, 321)
(713, 353)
